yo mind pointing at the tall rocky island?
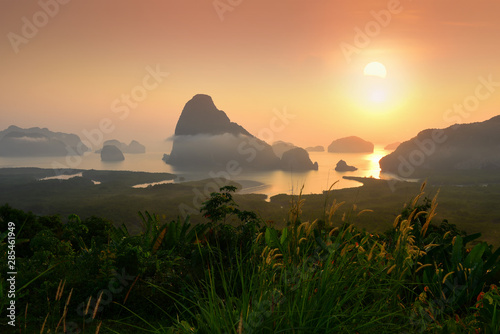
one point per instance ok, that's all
(205, 138)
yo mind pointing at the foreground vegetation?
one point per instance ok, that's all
(235, 273)
(472, 205)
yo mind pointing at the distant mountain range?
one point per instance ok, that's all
(205, 138)
(36, 142)
(460, 147)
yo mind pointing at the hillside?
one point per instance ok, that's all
(461, 148)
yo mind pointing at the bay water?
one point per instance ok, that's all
(261, 182)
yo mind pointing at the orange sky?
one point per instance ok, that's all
(262, 56)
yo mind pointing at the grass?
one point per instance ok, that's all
(265, 294)
(334, 279)
(322, 265)
(56, 319)
(472, 208)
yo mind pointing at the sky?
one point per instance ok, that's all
(287, 70)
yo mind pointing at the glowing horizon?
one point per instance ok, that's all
(68, 72)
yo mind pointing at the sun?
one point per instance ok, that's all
(377, 86)
(375, 69)
(378, 95)
(375, 83)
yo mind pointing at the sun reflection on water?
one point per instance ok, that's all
(373, 160)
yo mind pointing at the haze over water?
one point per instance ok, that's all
(261, 182)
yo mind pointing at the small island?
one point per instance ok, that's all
(280, 147)
(133, 148)
(111, 153)
(297, 159)
(342, 166)
(318, 148)
(351, 144)
(392, 146)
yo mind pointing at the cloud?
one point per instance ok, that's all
(31, 139)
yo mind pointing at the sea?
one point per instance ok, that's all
(269, 183)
